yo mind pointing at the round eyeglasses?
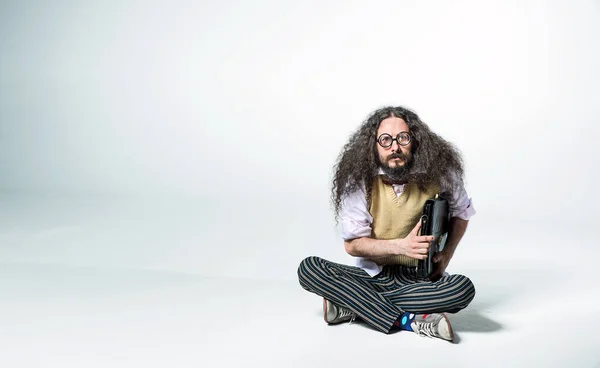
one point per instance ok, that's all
(385, 140)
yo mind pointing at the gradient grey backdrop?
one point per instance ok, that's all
(200, 136)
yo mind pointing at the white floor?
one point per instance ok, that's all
(53, 314)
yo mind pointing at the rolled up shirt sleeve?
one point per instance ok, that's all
(355, 219)
(461, 205)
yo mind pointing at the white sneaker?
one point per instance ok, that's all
(335, 314)
(433, 325)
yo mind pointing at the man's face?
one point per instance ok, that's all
(395, 157)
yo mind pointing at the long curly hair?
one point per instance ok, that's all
(435, 161)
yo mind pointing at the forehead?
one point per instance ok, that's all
(392, 125)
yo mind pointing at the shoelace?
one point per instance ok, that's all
(345, 313)
(424, 329)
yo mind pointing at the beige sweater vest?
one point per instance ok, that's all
(395, 216)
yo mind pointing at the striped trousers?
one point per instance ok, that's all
(381, 299)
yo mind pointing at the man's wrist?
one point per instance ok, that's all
(448, 250)
(395, 247)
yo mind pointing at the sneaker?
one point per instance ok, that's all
(433, 325)
(336, 314)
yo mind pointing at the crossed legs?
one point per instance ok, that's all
(380, 300)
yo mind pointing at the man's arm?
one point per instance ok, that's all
(458, 227)
(370, 248)
(461, 210)
(414, 246)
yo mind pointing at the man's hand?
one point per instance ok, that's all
(415, 246)
(440, 262)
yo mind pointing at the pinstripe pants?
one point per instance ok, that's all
(381, 299)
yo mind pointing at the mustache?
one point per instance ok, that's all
(399, 155)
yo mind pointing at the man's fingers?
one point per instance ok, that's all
(420, 246)
(420, 253)
(415, 230)
(424, 238)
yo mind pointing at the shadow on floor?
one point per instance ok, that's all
(471, 320)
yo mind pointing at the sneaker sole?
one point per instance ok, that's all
(325, 310)
(449, 327)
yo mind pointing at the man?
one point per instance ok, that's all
(392, 164)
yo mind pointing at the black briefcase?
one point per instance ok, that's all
(434, 221)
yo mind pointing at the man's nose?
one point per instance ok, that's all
(395, 146)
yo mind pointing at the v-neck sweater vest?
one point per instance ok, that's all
(395, 216)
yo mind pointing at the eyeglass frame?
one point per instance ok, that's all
(394, 139)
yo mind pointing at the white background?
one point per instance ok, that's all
(199, 137)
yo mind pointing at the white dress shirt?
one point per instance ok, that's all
(355, 219)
